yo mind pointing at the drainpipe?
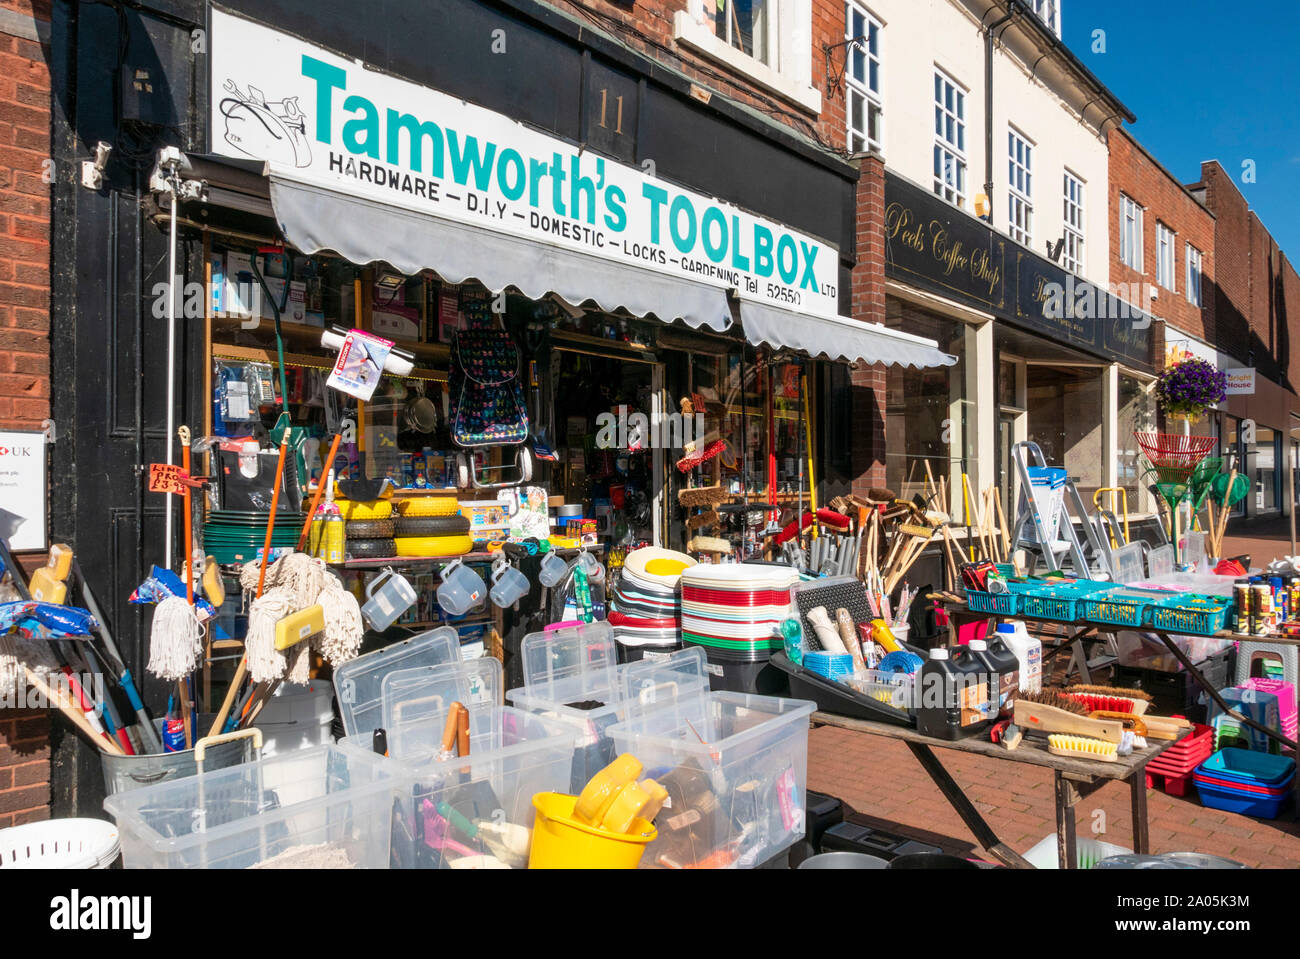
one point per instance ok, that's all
(988, 104)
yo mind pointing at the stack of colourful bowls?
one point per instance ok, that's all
(645, 603)
(735, 610)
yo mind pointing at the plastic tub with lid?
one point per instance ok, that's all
(572, 675)
(297, 717)
(735, 767)
(359, 683)
(321, 808)
(475, 812)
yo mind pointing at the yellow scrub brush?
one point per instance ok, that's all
(1082, 748)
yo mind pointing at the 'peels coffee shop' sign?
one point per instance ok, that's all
(932, 245)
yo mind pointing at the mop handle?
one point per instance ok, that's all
(184, 433)
(242, 670)
(275, 504)
(320, 488)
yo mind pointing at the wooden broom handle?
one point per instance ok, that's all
(77, 717)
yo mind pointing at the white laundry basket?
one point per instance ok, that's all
(60, 844)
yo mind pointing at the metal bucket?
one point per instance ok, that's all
(843, 860)
(124, 773)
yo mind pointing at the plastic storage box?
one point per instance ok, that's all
(513, 755)
(359, 683)
(571, 674)
(735, 767)
(1088, 852)
(321, 808)
(297, 717)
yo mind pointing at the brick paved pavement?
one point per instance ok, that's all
(886, 786)
(883, 784)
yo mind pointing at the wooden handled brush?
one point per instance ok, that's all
(1050, 712)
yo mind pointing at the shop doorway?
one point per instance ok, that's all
(604, 407)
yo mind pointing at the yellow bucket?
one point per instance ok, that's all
(561, 842)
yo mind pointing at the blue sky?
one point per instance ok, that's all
(1208, 81)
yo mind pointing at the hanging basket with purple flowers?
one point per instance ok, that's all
(1186, 389)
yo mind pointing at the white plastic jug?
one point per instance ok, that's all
(509, 585)
(462, 589)
(1029, 652)
(592, 567)
(388, 596)
(554, 569)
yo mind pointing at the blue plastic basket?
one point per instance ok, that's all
(1122, 607)
(1192, 613)
(1000, 604)
(1061, 603)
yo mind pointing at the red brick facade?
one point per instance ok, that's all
(647, 27)
(26, 173)
(1256, 291)
(869, 382)
(1135, 173)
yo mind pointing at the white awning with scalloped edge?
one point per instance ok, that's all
(314, 219)
(838, 338)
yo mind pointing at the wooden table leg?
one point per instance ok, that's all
(1067, 847)
(983, 833)
(1137, 784)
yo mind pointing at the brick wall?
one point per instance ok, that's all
(1246, 266)
(1135, 173)
(647, 27)
(869, 382)
(25, 120)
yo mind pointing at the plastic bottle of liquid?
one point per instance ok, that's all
(948, 707)
(978, 689)
(1004, 674)
(1028, 652)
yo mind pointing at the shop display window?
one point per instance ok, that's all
(927, 411)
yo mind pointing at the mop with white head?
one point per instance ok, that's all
(175, 639)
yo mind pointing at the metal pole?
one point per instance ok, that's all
(171, 364)
(1290, 491)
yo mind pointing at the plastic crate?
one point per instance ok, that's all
(1060, 603)
(359, 684)
(1192, 613)
(445, 804)
(1121, 607)
(322, 808)
(1262, 802)
(1001, 604)
(735, 767)
(896, 690)
(571, 674)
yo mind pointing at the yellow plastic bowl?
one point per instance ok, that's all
(433, 545)
(561, 842)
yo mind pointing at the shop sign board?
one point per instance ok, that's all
(330, 122)
(1241, 382)
(936, 247)
(22, 490)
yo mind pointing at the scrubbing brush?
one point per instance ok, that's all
(1109, 691)
(701, 496)
(1082, 747)
(1056, 699)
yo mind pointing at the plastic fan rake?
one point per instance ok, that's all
(1175, 450)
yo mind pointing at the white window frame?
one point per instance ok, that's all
(1130, 244)
(1020, 187)
(1194, 274)
(1166, 257)
(788, 72)
(1049, 11)
(862, 88)
(1074, 208)
(950, 153)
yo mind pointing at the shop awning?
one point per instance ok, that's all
(313, 219)
(838, 338)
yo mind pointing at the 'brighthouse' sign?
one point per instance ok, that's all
(328, 121)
